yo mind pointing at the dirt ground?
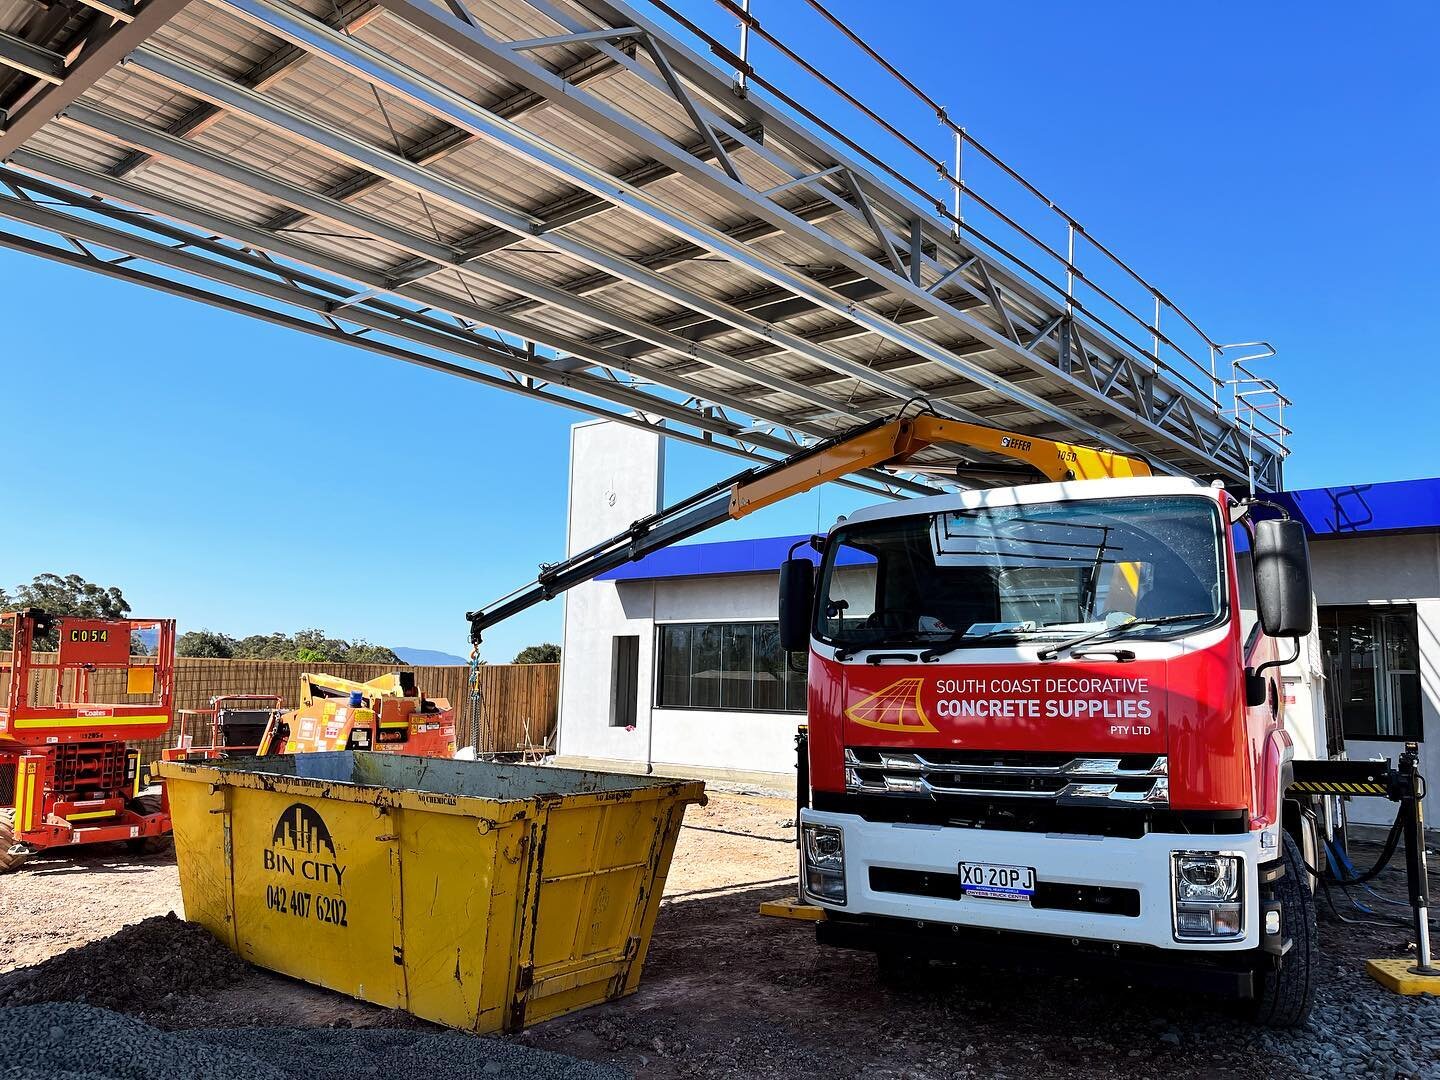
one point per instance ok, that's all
(728, 993)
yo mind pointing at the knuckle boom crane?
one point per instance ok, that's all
(883, 444)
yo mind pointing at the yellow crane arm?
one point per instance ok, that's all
(892, 445)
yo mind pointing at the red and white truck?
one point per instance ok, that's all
(1043, 719)
(1046, 721)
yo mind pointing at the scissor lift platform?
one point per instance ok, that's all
(68, 772)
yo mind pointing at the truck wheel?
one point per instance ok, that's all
(148, 845)
(1283, 995)
(7, 838)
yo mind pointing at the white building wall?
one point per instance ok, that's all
(616, 476)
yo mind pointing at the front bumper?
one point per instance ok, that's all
(1114, 863)
(1228, 974)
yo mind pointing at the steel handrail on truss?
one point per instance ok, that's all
(1211, 383)
(836, 290)
(1256, 401)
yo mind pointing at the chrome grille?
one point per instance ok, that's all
(1088, 780)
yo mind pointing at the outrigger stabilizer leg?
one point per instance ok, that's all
(1402, 784)
(1417, 875)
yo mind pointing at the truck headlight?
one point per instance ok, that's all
(1206, 889)
(824, 856)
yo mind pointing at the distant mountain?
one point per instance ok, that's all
(427, 657)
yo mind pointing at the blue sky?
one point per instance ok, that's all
(1267, 165)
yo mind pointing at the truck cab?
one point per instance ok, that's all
(1046, 721)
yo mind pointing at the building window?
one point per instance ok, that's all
(1372, 664)
(624, 680)
(729, 667)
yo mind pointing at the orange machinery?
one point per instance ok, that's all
(387, 714)
(68, 774)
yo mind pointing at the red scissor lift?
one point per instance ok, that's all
(68, 772)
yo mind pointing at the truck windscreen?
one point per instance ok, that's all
(1036, 571)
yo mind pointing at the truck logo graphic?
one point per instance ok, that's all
(895, 708)
(302, 829)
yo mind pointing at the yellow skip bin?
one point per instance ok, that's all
(477, 895)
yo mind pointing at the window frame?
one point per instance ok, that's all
(1400, 607)
(658, 681)
(632, 704)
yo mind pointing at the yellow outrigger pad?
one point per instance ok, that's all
(792, 909)
(1395, 975)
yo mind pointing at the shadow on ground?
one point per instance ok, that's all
(727, 992)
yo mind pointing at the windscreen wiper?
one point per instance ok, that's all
(940, 648)
(1053, 652)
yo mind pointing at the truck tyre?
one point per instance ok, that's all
(7, 838)
(1283, 995)
(148, 845)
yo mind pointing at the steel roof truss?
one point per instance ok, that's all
(348, 16)
(1076, 363)
(157, 143)
(365, 155)
(100, 54)
(591, 110)
(494, 56)
(290, 249)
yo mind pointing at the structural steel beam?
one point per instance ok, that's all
(109, 48)
(734, 444)
(184, 254)
(346, 148)
(24, 56)
(369, 64)
(291, 249)
(349, 17)
(159, 144)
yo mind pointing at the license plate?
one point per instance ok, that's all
(997, 882)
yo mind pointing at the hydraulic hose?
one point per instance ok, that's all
(1386, 853)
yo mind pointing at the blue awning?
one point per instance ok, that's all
(1356, 509)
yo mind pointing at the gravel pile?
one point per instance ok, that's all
(141, 969)
(80, 1042)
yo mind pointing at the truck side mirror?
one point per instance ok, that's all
(797, 598)
(1282, 578)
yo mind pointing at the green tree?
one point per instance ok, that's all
(547, 653)
(206, 643)
(304, 646)
(363, 652)
(69, 595)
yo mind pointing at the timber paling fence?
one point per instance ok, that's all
(517, 708)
